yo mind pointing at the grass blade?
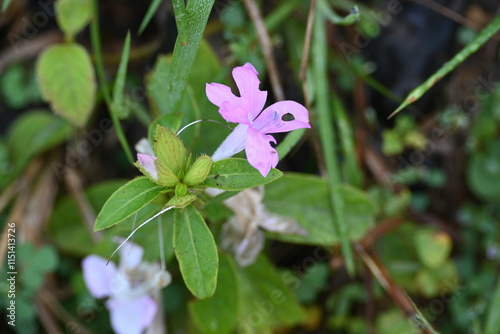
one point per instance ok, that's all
(327, 136)
(469, 49)
(153, 7)
(95, 40)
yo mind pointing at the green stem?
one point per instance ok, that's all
(327, 136)
(95, 40)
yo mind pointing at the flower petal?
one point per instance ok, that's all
(279, 224)
(147, 162)
(131, 316)
(232, 108)
(98, 276)
(248, 84)
(260, 153)
(218, 93)
(233, 143)
(143, 146)
(130, 255)
(282, 116)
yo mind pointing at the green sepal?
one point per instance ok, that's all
(170, 150)
(165, 175)
(180, 202)
(199, 171)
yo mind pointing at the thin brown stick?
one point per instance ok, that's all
(305, 91)
(267, 48)
(27, 50)
(76, 190)
(307, 42)
(400, 298)
(447, 12)
(51, 303)
(48, 322)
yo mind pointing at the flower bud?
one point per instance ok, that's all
(198, 171)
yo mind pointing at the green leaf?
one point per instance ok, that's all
(73, 15)
(266, 300)
(492, 325)
(305, 198)
(35, 132)
(126, 201)
(196, 252)
(237, 174)
(433, 247)
(219, 313)
(118, 106)
(153, 7)
(483, 167)
(66, 78)
(181, 202)
(173, 79)
(5, 5)
(469, 49)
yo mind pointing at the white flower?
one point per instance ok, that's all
(242, 234)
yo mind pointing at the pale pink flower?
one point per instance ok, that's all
(129, 286)
(254, 123)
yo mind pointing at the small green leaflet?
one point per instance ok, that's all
(126, 201)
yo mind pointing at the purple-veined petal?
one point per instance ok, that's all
(248, 84)
(131, 316)
(233, 143)
(260, 153)
(148, 163)
(282, 116)
(130, 255)
(98, 276)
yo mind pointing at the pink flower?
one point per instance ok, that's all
(254, 123)
(128, 286)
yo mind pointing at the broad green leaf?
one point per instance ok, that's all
(196, 252)
(469, 49)
(305, 198)
(66, 78)
(433, 247)
(492, 325)
(237, 174)
(219, 313)
(118, 103)
(126, 201)
(35, 132)
(483, 167)
(266, 300)
(73, 15)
